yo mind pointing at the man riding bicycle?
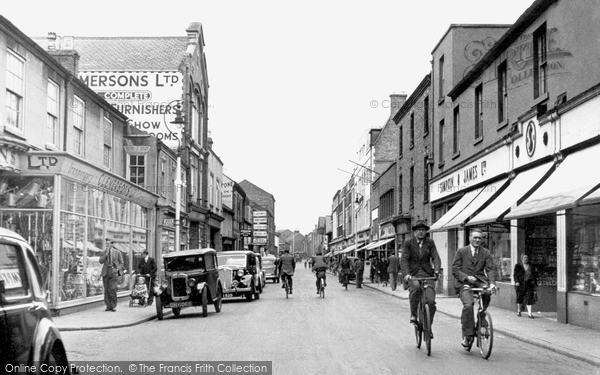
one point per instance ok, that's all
(345, 265)
(287, 266)
(420, 259)
(319, 266)
(469, 268)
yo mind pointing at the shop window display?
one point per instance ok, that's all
(26, 192)
(72, 246)
(585, 260)
(497, 240)
(540, 244)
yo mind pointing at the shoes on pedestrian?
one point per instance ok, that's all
(318, 291)
(518, 313)
(413, 319)
(291, 292)
(466, 341)
(107, 309)
(530, 316)
(113, 310)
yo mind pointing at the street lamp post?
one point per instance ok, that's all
(180, 122)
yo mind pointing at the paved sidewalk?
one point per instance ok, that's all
(573, 341)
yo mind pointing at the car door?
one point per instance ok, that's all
(19, 310)
(212, 274)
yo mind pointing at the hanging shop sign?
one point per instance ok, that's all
(259, 214)
(259, 220)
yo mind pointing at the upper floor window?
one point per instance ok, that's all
(426, 116)
(15, 72)
(108, 130)
(425, 179)
(400, 190)
(137, 169)
(441, 79)
(412, 130)
(479, 112)
(412, 186)
(78, 113)
(400, 141)
(455, 131)
(441, 143)
(52, 112)
(502, 93)
(539, 62)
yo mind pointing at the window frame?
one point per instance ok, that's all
(502, 92)
(478, 123)
(14, 79)
(540, 62)
(455, 131)
(52, 111)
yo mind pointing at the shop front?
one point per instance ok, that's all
(65, 208)
(562, 235)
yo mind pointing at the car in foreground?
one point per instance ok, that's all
(270, 268)
(28, 335)
(191, 278)
(240, 272)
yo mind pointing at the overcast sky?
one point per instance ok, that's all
(294, 86)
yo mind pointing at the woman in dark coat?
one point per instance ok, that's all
(382, 267)
(525, 276)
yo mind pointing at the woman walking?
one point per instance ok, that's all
(525, 276)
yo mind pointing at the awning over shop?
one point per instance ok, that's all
(575, 177)
(345, 250)
(376, 244)
(486, 193)
(455, 210)
(328, 254)
(520, 186)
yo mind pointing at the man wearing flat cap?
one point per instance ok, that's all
(420, 259)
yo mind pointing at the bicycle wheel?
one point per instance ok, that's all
(427, 328)
(322, 290)
(485, 334)
(418, 329)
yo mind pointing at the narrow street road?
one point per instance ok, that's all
(359, 331)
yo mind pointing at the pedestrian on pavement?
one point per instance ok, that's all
(393, 268)
(473, 266)
(420, 259)
(287, 266)
(383, 269)
(373, 270)
(525, 275)
(359, 270)
(147, 268)
(112, 267)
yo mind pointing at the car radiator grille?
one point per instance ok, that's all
(179, 285)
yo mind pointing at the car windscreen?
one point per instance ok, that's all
(184, 263)
(238, 260)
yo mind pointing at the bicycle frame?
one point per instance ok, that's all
(423, 325)
(484, 328)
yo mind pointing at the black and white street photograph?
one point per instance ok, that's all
(254, 187)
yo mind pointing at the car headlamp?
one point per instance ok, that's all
(191, 282)
(240, 273)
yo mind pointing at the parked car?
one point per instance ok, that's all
(240, 273)
(28, 336)
(261, 272)
(270, 268)
(191, 278)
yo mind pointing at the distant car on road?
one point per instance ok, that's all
(191, 278)
(270, 268)
(28, 336)
(240, 273)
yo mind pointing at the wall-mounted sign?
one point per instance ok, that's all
(259, 241)
(9, 160)
(259, 213)
(259, 220)
(246, 232)
(145, 97)
(259, 227)
(260, 233)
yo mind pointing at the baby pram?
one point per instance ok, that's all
(140, 295)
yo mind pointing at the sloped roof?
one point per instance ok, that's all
(128, 53)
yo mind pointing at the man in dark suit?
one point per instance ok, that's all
(393, 268)
(112, 266)
(420, 259)
(287, 266)
(147, 266)
(473, 266)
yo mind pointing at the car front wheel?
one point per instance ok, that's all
(159, 308)
(218, 301)
(251, 293)
(205, 302)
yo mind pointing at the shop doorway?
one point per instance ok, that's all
(540, 245)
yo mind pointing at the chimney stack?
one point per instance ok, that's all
(396, 102)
